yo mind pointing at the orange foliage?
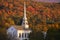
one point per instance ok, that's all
(20, 8)
(45, 29)
(21, 14)
(9, 12)
(10, 5)
(41, 10)
(30, 8)
(5, 4)
(16, 3)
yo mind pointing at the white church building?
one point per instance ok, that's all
(22, 32)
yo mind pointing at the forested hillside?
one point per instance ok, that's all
(39, 14)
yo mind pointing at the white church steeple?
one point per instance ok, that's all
(25, 22)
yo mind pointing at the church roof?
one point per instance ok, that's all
(18, 27)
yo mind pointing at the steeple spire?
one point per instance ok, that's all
(24, 9)
(25, 22)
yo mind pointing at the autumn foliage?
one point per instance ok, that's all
(38, 13)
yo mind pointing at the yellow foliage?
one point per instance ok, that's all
(7, 24)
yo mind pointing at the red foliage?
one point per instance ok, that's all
(11, 6)
(9, 13)
(30, 8)
(21, 14)
(5, 4)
